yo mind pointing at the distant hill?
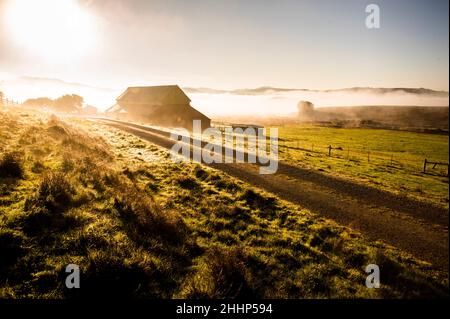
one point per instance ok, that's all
(26, 87)
(272, 90)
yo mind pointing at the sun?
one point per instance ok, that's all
(57, 30)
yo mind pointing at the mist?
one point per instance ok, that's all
(263, 101)
(27, 87)
(285, 103)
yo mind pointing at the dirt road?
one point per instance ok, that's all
(418, 228)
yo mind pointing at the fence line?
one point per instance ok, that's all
(389, 158)
(434, 165)
(5, 102)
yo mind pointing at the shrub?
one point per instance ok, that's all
(227, 185)
(188, 183)
(316, 279)
(57, 130)
(234, 212)
(11, 165)
(112, 274)
(54, 193)
(320, 237)
(38, 167)
(153, 187)
(144, 219)
(200, 173)
(36, 220)
(256, 200)
(67, 164)
(222, 274)
(55, 190)
(91, 173)
(391, 269)
(10, 247)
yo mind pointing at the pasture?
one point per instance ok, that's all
(389, 159)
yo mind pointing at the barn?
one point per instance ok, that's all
(158, 105)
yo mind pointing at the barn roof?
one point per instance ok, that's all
(154, 95)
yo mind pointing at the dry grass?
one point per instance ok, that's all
(155, 229)
(11, 165)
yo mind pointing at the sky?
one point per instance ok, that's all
(314, 44)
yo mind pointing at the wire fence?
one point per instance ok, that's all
(288, 149)
(6, 102)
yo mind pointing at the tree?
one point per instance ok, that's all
(39, 102)
(305, 108)
(68, 103)
(89, 110)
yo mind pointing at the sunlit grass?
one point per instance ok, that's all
(140, 225)
(392, 160)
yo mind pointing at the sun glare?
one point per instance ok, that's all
(57, 30)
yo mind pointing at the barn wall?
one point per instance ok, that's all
(167, 115)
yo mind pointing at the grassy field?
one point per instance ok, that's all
(391, 160)
(140, 225)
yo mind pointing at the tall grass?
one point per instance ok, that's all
(11, 165)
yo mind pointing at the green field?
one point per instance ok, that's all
(392, 160)
(140, 225)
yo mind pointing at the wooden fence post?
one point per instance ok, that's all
(329, 150)
(368, 156)
(425, 165)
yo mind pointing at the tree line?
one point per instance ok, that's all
(66, 103)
